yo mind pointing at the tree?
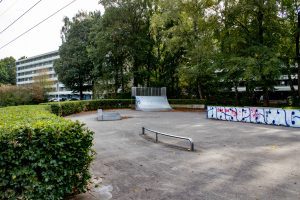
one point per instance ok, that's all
(185, 46)
(169, 30)
(198, 48)
(137, 40)
(290, 14)
(40, 86)
(74, 68)
(250, 34)
(109, 52)
(121, 45)
(8, 71)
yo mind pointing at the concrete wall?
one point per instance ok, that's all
(272, 116)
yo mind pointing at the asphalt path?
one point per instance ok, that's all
(232, 160)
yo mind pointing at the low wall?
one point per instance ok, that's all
(259, 115)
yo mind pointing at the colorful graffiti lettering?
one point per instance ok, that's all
(272, 116)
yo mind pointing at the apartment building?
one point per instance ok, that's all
(281, 86)
(34, 68)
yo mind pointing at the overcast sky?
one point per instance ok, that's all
(45, 37)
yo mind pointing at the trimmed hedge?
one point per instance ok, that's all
(42, 156)
(186, 101)
(70, 107)
(292, 107)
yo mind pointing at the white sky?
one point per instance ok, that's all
(45, 37)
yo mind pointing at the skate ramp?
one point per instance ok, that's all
(152, 103)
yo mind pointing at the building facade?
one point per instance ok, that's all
(34, 68)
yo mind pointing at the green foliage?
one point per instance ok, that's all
(8, 71)
(13, 95)
(250, 38)
(292, 108)
(187, 101)
(185, 46)
(121, 45)
(197, 49)
(74, 67)
(71, 107)
(108, 104)
(42, 156)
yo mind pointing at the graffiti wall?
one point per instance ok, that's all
(272, 116)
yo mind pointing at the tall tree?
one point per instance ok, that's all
(195, 47)
(108, 50)
(74, 68)
(121, 46)
(185, 45)
(290, 14)
(251, 32)
(168, 29)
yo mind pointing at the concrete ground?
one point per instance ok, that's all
(233, 160)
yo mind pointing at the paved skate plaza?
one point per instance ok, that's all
(232, 160)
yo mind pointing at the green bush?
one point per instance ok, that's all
(186, 101)
(42, 156)
(70, 107)
(293, 101)
(291, 108)
(11, 95)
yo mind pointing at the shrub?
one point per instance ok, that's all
(42, 156)
(186, 101)
(71, 107)
(12, 95)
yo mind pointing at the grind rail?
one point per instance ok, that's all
(168, 135)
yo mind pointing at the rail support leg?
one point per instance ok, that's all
(156, 137)
(143, 130)
(192, 146)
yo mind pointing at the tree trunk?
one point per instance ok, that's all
(200, 92)
(81, 94)
(251, 94)
(149, 57)
(260, 19)
(236, 94)
(148, 69)
(297, 51)
(80, 88)
(135, 75)
(266, 98)
(122, 79)
(290, 80)
(116, 82)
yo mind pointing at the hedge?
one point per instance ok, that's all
(42, 156)
(70, 107)
(186, 101)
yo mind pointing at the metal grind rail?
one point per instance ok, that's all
(169, 135)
